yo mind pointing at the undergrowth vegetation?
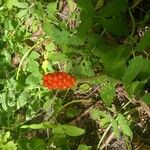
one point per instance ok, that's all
(101, 45)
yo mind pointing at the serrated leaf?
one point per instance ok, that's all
(116, 25)
(56, 56)
(33, 66)
(114, 61)
(21, 4)
(32, 144)
(134, 68)
(112, 19)
(123, 123)
(105, 121)
(52, 8)
(61, 37)
(146, 98)
(16, 3)
(3, 99)
(115, 128)
(6, 136)
(34, 79)
(144, 42)
(97, 114)
(22, 99)
(84, 87)
(107, 93)
(85, 17)
(22, 13)
(34, 55)
(146, 65)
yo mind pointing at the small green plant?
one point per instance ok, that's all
(6, 143)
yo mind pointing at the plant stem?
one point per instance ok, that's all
(73, 102)
(24, 57)
(133, 22)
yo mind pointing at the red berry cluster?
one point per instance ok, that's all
(58, 81)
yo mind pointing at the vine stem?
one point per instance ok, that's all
(133, 22)
(73, 102)
(24, 57)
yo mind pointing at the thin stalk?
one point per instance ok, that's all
(133, 22)
(23, 58)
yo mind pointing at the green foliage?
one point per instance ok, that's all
(108, 93)
(83, 147)
(112, 19)
(146, 98)
(6, 143)
(95, 41)
(144, 42)
(119, 122)
(134, 68)
(124, 125)
(34, 143)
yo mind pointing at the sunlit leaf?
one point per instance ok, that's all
(122, 121)
(22, 99)
(72, 130)
(84, 147)
(134, 68)
(108, 93)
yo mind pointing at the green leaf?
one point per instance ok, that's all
(3, 100)
(22, 13)
(97, 114)
(5, 143)
(144, 42)
(34, 55)
(61, 37)
(34, 79)
(105, 121)
(72, 112)
(108, 93)
(84, 87)
(146, 66)
(21, 5)
(112, 19)
(22, 99)
(6, 136)
(134, 68)
(32, 144)
(33, 67)
(116, 25)
(124, 125)
(115, 128)
(114, 61)
(146, 98)
(85, 68)
(11, 3)
(84, 147)
(33, 126)
(51, 10)
(86, 17)
(72, 130)
(57, 57)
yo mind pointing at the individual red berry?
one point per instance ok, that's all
(58, 80)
